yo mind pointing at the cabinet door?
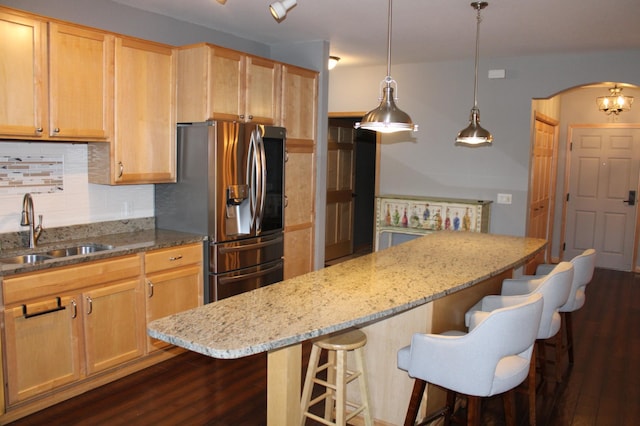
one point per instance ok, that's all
(144, 143)
(113, 324)
(226, 95)
(300, 211)
(42, 347)
(171, 292)
(262, 92)
(81, 83)
(23, 73)
(299, 109)
(299, 103)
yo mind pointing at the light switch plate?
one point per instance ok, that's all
(504, 198)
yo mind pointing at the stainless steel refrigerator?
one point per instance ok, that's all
(230, 187)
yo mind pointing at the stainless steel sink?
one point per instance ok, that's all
(57, 253)
(25, 258)
(79, 249)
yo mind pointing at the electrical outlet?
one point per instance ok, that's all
(504, 198)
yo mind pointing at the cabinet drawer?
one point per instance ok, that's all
(172, 257)
(68, 278)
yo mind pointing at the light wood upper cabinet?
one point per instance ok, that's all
(215, 83)
(299, 103)
(23, 72)
(143, 148)
(80, 83)
(262, 91)
(56, 80)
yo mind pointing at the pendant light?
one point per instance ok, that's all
(387, 117)
(474, 134)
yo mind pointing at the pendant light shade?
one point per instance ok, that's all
(387, 117)
(474, 134)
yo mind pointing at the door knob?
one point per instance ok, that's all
(632, 198)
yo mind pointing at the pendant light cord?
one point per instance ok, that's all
(475, 81)
(389, 45)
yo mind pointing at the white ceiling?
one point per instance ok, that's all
(423, 30)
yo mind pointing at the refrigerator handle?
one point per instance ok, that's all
(263, 180)
(265, 243)
(224, 280)
(251, 177)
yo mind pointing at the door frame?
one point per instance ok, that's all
(356, 116)
(553, 174)
(570, 128)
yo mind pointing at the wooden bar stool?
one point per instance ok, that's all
(338, 376)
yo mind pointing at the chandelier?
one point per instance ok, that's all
(615, 103)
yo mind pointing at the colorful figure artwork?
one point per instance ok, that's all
(427, 216)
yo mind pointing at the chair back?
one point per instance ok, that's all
(583, 267)
(554, 288)
(469, 363)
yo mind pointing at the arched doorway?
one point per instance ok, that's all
(573, 226)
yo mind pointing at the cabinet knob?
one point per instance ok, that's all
(250, 117)
(150, 284)
(56, 130)
(120, 169)
(39, 130)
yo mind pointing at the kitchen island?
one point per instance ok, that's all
(387, 293)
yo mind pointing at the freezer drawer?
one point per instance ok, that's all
(239, 254)
(231, 283)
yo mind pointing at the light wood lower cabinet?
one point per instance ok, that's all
(42, 352)
(84, 320)
(70, 329)
(174, 280)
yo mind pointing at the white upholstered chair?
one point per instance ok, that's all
(583, 267)
(554, 288)
(492, 358)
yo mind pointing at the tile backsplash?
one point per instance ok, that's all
(77, 201)
(34, 174)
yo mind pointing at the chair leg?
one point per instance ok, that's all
(531, 383)
(509, 402)
(569, 328)
(419, 386)
(308, 382)
(559, 349)
(341, 388)
(542, 360)
(450, 408)
(473, 410)
(364, 389)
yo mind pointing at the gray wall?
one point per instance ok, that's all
(439, 95)
(116, 17)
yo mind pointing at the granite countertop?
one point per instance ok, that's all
(351, 293)
(123, 243)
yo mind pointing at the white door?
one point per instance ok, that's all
(605, 163)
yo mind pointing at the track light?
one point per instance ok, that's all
(279, 9)
(333, 61)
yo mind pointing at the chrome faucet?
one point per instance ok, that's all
(28, 220)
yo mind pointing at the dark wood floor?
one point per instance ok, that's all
(602, 388)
